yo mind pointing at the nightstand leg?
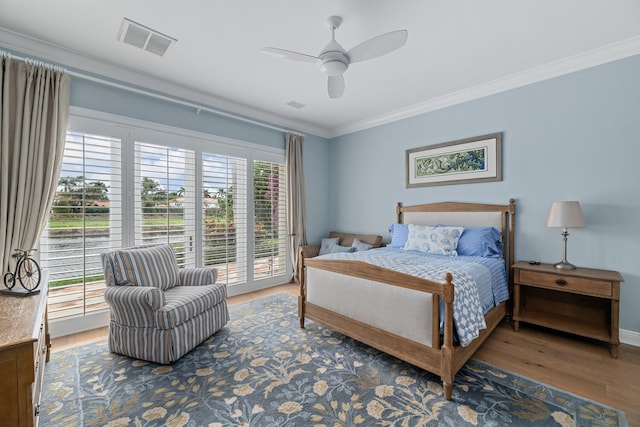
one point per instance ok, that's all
(516, 307)
(614, 351)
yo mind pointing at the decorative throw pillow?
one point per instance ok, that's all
(327, 244)
(399, 234)
(337, 249)
(153, 266)
(359, 246)
(433, 240)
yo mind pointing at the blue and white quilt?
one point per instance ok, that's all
(479, 283)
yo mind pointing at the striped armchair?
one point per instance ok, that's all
(160, 312)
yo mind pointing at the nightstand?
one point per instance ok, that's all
(584, 301)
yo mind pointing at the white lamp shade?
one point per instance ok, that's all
(565, 214)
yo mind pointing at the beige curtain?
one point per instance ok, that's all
(296, 199)
(34, 113)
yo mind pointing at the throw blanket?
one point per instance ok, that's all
(468, 312)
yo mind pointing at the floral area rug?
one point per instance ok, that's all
(262, 369)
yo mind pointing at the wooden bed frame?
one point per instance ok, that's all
(444, 360)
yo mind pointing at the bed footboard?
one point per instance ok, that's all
(426, 353)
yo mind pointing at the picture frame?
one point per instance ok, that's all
(470, 160)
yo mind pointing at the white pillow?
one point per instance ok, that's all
(433, 240)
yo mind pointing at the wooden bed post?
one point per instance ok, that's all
(447, 371)
(301, 294)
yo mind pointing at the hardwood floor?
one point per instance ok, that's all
(570, 363)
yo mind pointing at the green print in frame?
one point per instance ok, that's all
(470, 160)
(461, 161)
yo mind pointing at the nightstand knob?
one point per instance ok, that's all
(561, 282)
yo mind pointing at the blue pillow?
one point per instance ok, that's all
(337, 249)
(399, 235)
(480, 241)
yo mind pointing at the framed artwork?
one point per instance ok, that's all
(470, 160)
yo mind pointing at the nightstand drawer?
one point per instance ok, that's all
(566, 283)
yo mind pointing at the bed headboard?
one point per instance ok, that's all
(470, 214)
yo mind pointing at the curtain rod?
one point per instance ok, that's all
(199, 108)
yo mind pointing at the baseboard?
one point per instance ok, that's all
(630, 337)
(74, 325)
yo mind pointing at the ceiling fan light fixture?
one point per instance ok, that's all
(333, 67)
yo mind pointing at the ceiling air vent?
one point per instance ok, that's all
(295, 104)
(144, 37)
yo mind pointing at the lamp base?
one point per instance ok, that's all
(564, 265)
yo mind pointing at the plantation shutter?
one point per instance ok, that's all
(269, 184)
(165, 199)
(85, 220)
(224, 241)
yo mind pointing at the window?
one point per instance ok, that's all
(165, 199)
(224, 207)
(126, 183)
(269, 219)
(85, 221)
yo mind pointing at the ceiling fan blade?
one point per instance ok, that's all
(288, 54)
(378, 46)
(336, 86)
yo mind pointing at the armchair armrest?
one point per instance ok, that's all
(197, 276)
(134, 305)
(310, 251)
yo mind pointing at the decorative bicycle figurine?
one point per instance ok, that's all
(27, 272)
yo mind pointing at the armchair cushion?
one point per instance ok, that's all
(186, 302)
(154, 266)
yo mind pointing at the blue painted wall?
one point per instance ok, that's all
(574, 137)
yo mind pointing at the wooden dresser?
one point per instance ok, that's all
(24, 349)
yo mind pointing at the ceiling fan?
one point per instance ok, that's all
(334, 60)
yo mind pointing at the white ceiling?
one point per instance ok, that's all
(456, 50)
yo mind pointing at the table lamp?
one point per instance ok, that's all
(565, 215)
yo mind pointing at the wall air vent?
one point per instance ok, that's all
(144, 38)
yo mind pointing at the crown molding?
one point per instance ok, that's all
(592, 58)
(84, 64)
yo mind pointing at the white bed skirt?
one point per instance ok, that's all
(401, 311)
